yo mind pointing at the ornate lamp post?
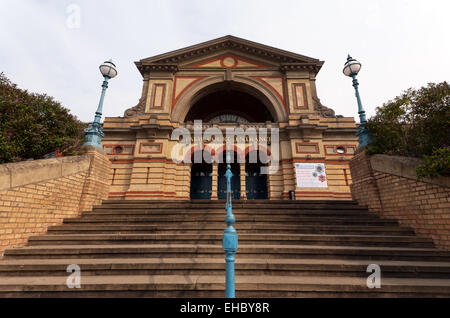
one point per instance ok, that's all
(351, 69)
(230, 238)
(94, 133)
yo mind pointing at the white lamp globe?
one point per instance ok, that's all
(108, 69)
(351, 67)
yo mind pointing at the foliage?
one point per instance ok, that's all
(435, 165)
(416, 123)
(33, 125)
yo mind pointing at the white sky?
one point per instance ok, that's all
(401, 43)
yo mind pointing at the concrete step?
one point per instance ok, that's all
(174, 249)
(220, 212)
(213, 286)
(237, 202)
(245, 251)
(242, 227)
(200, 237)
(216, 266)
(236, 205)
(220, 218)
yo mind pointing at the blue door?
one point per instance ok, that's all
(235, 182)
(201, 181)
(255, 182)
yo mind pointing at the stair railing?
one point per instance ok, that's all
(230, 237)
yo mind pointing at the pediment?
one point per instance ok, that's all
(228, 52)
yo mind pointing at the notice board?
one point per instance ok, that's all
(311, 175)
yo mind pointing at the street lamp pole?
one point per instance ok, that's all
(230, 238)
(94, 133)
(351, 69)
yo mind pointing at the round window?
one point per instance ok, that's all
(118, 149)
(340, 150)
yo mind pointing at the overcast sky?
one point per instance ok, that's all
(400, 43)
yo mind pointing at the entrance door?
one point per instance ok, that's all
(201, 181)
(235, 182)
(255, 182)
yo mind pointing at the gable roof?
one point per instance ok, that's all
(170, 61)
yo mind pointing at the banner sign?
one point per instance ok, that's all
(311, 175)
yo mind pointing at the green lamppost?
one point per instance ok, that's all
(95, 133)
(351, 69)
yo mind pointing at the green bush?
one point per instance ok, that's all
(417, 124)
(435, 165)
(33, 125)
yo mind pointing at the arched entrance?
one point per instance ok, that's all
(256, 187)
(201, 180)
(235, 179)
(226, 102)
(229, 104)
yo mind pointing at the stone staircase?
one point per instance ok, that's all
(174, 249)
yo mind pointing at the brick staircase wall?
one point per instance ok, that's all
(40, 193)
(388, 185)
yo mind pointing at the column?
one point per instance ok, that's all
(243, 185)
(187, 180)
(215, 179)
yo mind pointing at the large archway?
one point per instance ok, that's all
(272, 107)
(229, 105)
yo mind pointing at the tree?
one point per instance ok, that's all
(417, 124)
(33, 125)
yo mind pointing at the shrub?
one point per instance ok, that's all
(416, 123)
(33, 125)
(435, 165)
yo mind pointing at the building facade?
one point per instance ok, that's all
(230, 83)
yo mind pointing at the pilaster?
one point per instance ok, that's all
(243, 182)
(215, 178)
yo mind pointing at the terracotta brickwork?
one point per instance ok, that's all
(388, 186)
(37, 194)
(281, 83)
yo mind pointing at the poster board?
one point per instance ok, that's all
(311, 175)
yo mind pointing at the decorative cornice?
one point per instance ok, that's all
(334, 130)
(145, 68)
(307, 127)
(301, 66)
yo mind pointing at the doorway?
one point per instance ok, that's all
(255, 181)
(235, 179)
(201, 181)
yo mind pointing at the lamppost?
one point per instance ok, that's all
(95, 133)
(351, 69)
(230, 238)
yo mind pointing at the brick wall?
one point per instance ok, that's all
(37, 194)
(388, 185)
